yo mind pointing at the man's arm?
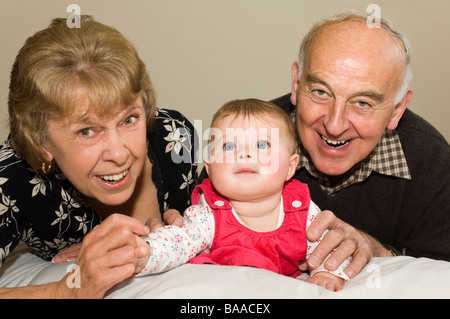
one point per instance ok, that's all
(347, 240)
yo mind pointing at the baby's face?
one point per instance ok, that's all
(250, 158)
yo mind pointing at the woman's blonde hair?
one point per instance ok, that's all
(257, 108)
(58, 66)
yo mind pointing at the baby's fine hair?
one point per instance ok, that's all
(259, 109)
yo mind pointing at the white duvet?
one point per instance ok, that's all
(394, 277)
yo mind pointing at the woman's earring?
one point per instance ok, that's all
(46, 168)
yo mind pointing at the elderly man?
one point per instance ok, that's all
(381, 171)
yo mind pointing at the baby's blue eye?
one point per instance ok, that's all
(262, 145)
(228, 146)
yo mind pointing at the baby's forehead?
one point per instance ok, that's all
(251, 127)
(248, 121)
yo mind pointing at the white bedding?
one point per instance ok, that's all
(395, 277)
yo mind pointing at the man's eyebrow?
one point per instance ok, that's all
(311, 78)
(378, 97)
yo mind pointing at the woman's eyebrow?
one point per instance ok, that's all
(91, 118)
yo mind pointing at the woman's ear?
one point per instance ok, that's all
(46, 153)
(293, 162)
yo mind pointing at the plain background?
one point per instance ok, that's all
(203, 53)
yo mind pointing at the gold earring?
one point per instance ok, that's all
(46, 168)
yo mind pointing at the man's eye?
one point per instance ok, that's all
(229, 146)
(319, 92)
(262, 145)
(363, 104)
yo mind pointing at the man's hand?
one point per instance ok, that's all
(347, 240)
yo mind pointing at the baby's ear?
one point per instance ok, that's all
(293, 162)
(206, 163)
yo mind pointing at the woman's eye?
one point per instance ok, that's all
(86, 132)
(262, 145)
(130, 120)
(229, 146)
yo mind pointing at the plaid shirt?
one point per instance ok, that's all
(387, 158)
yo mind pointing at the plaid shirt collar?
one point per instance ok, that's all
(387, 158)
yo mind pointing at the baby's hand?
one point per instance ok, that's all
(327, 280)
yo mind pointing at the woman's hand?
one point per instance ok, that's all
(108, 255)
(170, 217)
(347, 240)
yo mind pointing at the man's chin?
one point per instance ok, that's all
(333, 169)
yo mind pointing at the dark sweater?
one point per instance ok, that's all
(413, 216)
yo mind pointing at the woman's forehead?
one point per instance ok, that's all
(84, 111)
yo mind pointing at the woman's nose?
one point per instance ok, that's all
(115, 148)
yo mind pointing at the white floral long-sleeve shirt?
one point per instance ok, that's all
(173, 246)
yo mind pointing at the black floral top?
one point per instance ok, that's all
(49, 214)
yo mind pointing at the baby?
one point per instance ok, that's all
(249, 212)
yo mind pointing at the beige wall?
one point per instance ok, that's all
(202, 53)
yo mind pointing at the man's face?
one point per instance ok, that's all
(346, 94)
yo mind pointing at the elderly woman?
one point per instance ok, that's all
(89, 159)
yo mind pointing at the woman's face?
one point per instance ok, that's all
(101, 156)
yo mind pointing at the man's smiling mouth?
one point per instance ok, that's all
(333, 143)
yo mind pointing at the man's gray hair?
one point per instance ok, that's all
(363, 17)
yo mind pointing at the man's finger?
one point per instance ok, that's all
(330, 241)
(360, 259)
(342, 252)
(325, 220)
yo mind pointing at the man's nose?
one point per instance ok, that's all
(336, 122)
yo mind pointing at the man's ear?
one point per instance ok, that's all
(400, 108)
(293, 162)
(294, 82)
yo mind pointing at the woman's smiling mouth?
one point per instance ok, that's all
(114, 178)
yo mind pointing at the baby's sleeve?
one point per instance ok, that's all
(314, 210)
(172, 246)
